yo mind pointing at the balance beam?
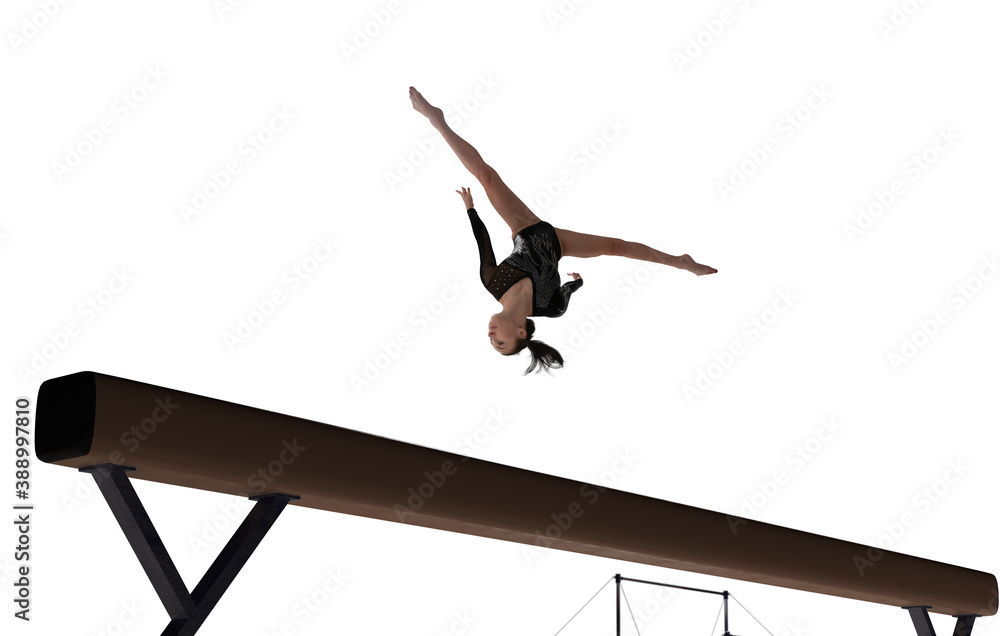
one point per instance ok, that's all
(88, 419)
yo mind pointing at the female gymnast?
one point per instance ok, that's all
(526, 283)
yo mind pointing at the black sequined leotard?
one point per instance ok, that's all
(536, 254)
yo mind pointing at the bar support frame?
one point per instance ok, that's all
(618, 605)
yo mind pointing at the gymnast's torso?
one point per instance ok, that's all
(535, 257)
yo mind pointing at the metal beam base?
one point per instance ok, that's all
(922, 621)
(187, 610)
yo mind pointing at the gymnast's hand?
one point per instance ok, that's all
(575, 276)
(467, 197)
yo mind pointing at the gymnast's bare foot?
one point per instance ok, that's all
(421, 106)
(686, 262)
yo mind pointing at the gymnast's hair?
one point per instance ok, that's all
(543, 356)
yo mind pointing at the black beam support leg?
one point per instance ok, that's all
(922, 621)
(964, 625)
(187, 610)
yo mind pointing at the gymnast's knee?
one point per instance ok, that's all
(484, 174)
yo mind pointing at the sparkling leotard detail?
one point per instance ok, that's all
(535, 255)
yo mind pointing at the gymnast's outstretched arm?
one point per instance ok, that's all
(487, 258)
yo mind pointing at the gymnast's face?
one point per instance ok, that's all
(504, 333)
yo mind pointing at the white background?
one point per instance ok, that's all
(532, 91)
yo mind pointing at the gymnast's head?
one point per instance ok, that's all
(508, 338)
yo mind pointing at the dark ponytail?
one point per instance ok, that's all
(543, 356)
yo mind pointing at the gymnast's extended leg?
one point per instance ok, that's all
(590, 245)
(513, 211)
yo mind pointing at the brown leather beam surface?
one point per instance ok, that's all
(180, 438)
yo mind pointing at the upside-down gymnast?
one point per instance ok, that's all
(526, 283)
